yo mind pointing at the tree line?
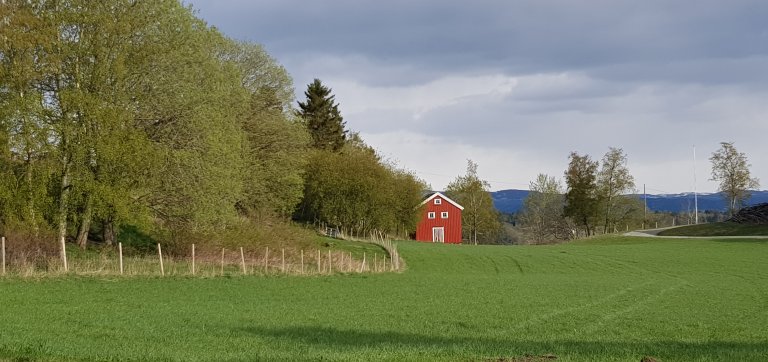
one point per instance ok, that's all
(348, 186)
(127, 112)
(600, 196)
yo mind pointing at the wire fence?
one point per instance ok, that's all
(200, 262)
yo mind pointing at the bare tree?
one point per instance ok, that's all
(542, 216)
(731, 170)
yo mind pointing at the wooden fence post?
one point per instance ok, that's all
(375, 257)
(349, 263)
(120, 253)
(362, 265)
(283, 263)
(242, 259)
(160, 255)
(64, 254)
(222, 261)
(319, 271)
(266, 261)
(302, 261)
(3, 239)
(330, 265)
(193, 259)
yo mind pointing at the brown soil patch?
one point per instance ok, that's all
(525, 358)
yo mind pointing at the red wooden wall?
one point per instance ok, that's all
(451, 225)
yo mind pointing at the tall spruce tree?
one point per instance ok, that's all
(322, 118)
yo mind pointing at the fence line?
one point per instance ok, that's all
(206, 264)
(375, 237)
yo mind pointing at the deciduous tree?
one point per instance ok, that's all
(542, 215)
(613, 181)
(356, 192)
(731, 169)
(581, 194)
(276, 141)
(480, 220)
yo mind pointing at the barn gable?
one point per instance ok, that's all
(440, 220)
(443, 197)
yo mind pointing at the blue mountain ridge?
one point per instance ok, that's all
(511, 201)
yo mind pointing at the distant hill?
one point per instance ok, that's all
(510, 201)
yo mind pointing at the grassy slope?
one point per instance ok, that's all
(718, 229)
(604, 299)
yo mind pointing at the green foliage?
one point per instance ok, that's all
(614, 181)
(137, 113)
(731, 169)
(322, 118)
(276, 144)
(581, 203)
(481, 223)
(356, 192)
(604, 299)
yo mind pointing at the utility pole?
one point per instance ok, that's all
(695, 194)
(645, 210)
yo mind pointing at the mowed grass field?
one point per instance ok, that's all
(718, 229)
(607, 299)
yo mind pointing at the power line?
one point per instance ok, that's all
(490, 181)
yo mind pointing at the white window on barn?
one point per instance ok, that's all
(444, 215)
(438, 201)
(431, 215)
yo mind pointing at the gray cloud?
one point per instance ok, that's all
(518, 37)
(529, 80)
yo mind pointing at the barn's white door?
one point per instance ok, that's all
(438, 235)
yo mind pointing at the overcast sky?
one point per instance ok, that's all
(517, 85)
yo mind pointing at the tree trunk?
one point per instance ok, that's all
(64, 189)
(607, 214)
(586, 226)
(31, 215)
(85, 225)
(109, 232)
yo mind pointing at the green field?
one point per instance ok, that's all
(605, 299)
(718, 229)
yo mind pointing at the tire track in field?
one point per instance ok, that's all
(517, 264)
(632, 307)
(545, 317)
(612, 265)
(637, 268)
(494, 263)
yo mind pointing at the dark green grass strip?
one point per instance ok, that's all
(718, 229)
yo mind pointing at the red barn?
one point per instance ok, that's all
(440, 220)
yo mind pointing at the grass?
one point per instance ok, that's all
(718, 229)
(604, 299)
